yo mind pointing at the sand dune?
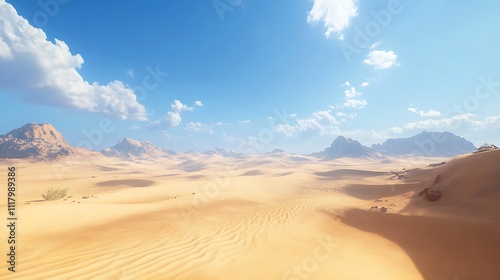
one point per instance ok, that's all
(258, 217)
(440, 248)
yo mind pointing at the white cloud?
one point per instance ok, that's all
(335, 14)
(228, 138)
(458, 124)
(344, 116)
(355, 103)
(347, 84)
(430, 113)
(444, 123)
(177, 106)
(46, 73)
(5, 51)
(320, 123)
(173, 118)
(130, 73)
(381, 59)
(365, 84)
(374, 45)
(351, 100)
(351, 93)
(199, 127)
(245, 121)
(198, 103)
(324, 115)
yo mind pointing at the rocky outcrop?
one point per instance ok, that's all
(34, 141)
(347, 147)
(397, 175)
(381, 209)
(486, 148)
(432, 193)
(437, 164)
(130, 148)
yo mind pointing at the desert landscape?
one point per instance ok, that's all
(143, 215)
(249, 140)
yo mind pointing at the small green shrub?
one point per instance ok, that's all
(56, 193)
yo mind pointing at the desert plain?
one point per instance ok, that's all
(273, 216)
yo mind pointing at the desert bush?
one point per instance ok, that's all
(56, 193)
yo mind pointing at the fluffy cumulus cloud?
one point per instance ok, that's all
(172, 118)
(336, 15)
(198, 103)
(381, 59)
(351, 93)
(319, 123)
(430, 113)
(365, 84)
(177, 106)
(46, 72)
(352, 99)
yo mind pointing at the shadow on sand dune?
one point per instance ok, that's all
(252, 173)
(191, 166)
(372, 192)
(441, 248)
(136, 183)
(106, 168)
(348, 173)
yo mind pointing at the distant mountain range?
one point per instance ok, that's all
(222, 152)
(130, 148)
(427, 144)
(43, 141)
(347, 147)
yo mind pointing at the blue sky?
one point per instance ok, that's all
(251, 75)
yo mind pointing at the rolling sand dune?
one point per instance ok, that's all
(258, 217)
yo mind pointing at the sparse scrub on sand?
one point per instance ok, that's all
(56, 193)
